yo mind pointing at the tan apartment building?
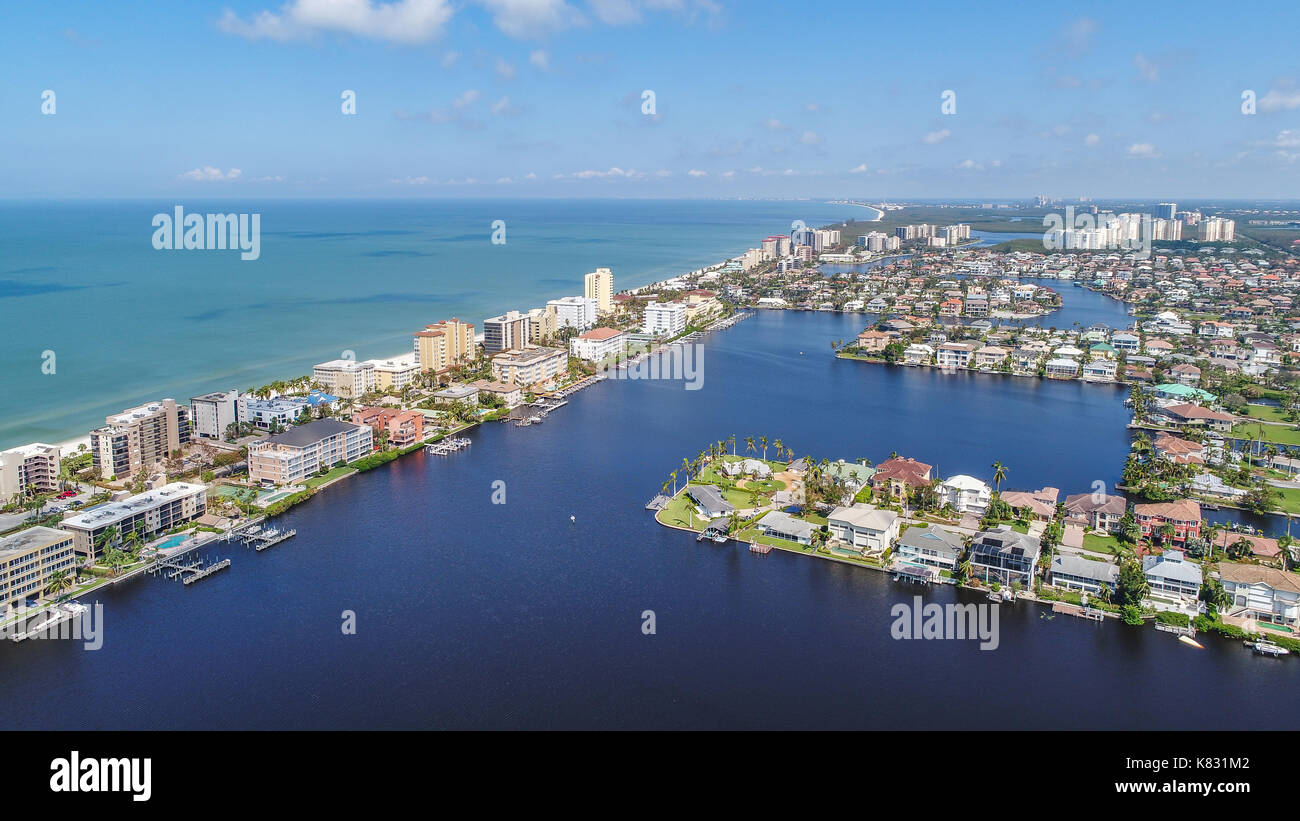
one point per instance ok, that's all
(301, 452)
(445, 345)
(27, 560)
(345, 377)
(543, 324)
(138, 438)
(34, 466)
(531, 366)
(599, 285)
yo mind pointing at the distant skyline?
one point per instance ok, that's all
(547, 98)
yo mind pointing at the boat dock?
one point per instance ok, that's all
(47, 623)
(1188, 631)
(447, 446)
(760, 549)
(1268, 648)
(268, 538)
(912, 574)
(205, 572)
(1075, 610)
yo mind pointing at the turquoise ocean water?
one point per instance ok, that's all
(127, 323)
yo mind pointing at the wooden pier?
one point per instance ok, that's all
(447, 446)
(1075, 610)
(205, 572)
(268, 538)
(760, 549)
(1188, 631)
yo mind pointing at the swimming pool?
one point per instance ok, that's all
(173, 541)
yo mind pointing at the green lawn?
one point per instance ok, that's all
(1289, 499)
(1101, 544)
(317, 481)
(1268, 413)
(677, 514)
(1277, 434)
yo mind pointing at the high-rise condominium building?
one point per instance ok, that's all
(665, 318)
(574, 312)
(29, 467)
(1216, 229)
(445, 345)
(139, 438)
(1166, 210)
(345, 377)
(599, 285)
(214, 412)
(510, 330)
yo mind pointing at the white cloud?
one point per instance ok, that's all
(449, 59)
(503, 107)
(811, 138)
(1287, 139)
(540, 59)
(527, 19)
(615, 12)
(1276, 100)
(1143, 150)
(1146, 69)
(504, 69)
(209, 174)
(467, 98)
(613, 172)
(1091, 140)
(398, 21)
(970, 165)
(697, 173)
(774, 124)
(860, 169)
(936, 137)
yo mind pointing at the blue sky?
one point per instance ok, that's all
(543, 98)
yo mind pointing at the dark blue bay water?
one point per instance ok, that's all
(501, 616)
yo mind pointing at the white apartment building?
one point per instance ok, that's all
(509, 331)
(152, 512)
(302, 452)
(598, 344)
(574, 312)
(531, 366)
(396, 373)
(345, 377)
(29, 466)
(212, 413)
(27, 560)
(1216, 229)
(665, 318)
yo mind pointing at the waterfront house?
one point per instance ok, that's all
(1208, 484)
(1184, 393)
(1004, 555)
(1033, 504)
(1099, 370)
(1125, 341)
(708, 501)
(1184, 515)
(929, 546)
(1177, 450)
(152, 512)
(966, 494)
(1170, 574)
(899, 474)
(1195, 416)
(918, 354)
(1061, 368)
(780, 525)
(511, 395)
(1261, 546)
(872, 341)
(457, 393)
(1099, 511)
(955, 354)
(1185, 374)
(864, 528)
(746, 467)
(990, 356)
(1261, 593)
(302, 452)
(1077, 573)
(1024, 361)
(27, 560)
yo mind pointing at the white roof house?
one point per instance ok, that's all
(966, 494)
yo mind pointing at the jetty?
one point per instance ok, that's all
(447, 446)
(205, 572)
(1090, 613)
(1177, 630)
(47, 623)
(269, 538)
(912, 574)
(760, 549)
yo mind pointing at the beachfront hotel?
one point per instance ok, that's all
(301, 452)
(34, 467)
(27, 560)
(396, 373)
(531, 366)
(153, 512)
(507, 331)
(138, 438)
(445, 345)
(599, 285)
(214, 412)
(346, 377)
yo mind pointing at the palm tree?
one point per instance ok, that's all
(674, 478)
(731, 440)
(58, 581)
(999, 474)
(780, 448)
(762, 440)
(749, 444)
(107, 539)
